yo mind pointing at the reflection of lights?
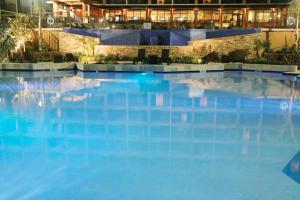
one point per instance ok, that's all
(77, 98)
(284, 105)
(203, 101)
(40, 104)
(184, 117)
(295, 166)
(2, 100)
(159, 99)
(246, 135)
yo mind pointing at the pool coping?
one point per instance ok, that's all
(290, 70)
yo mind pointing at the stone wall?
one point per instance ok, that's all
(132, 51)
(197, 48)
(279, 38)
(71, 43)
(225, 45)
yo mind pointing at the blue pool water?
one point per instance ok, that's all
(145, 136)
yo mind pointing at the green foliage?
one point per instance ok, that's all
(187, 60)
(45, 56)
(87, 44)
(238, 55)
(111, 59)
(7, 43)
(92, 59)
(212, 57)
(264, 46)
(294, 6)
(21, 28)
(184, 59)
(265, 61)
(125, 58)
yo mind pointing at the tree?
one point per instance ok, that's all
(295, 8)
(260, 45)
(21, 29)
(6, 43)
(88, 45)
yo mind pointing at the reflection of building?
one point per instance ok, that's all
(224, 13)
(132, 117)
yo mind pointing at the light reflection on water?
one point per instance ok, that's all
(133, 136)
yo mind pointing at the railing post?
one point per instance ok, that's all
(297, 30)
(40, 31)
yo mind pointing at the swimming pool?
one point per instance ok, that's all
(222, 135)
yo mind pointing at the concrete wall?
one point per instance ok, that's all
(280, 37)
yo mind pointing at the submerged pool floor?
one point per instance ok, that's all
(223, 135)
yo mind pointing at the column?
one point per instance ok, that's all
(273, 17)
(245, 17)
(124, 14)
(196, 16)
(148, 14)
(84, 16)
(89, 12)
(220, 17)
(172, 14)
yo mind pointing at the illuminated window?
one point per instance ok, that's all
(208, 15)
(183, 15)
(263, 16)
(251, 16)
(114, 15)
(160, 15)
(136, 15)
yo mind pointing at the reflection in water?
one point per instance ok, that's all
(133, 136)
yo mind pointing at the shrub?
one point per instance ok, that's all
(184, 59)
(225, 59)
(44, 56)
(87, 59)
(111, 59)
(212, 57)
(197, 60)
(264, 61)
(125, 58)
(238, 55)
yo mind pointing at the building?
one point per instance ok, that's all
(10, 7)
(196, 13)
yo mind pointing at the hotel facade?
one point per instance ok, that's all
(196, 13)
(236, 13)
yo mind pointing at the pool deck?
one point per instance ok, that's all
(41, 66)
(173, 68)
